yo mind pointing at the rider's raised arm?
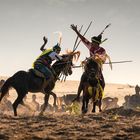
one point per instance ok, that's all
(45, 42)
(87, 43)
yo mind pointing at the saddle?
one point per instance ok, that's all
(37, 73)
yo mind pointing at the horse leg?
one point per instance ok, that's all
(87, 101)
(81, 87)
(79, 90)
(100, 104)
(94, 107)
(83, 105)
(55, 97)
(19, 99)
(46, 98)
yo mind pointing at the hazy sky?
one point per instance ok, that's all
(23, 23)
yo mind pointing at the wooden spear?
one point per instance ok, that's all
(115, 62)
(84, 34)
(74, 48)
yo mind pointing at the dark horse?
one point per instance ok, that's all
(90, 85)
(24, 82)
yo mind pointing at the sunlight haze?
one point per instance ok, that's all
(23, 23)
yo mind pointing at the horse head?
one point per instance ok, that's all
(64, 67)
(92, 70)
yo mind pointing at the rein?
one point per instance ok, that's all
(63, 63)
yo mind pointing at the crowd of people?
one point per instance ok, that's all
(134, 100)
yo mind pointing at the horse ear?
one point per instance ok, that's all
(76, 55)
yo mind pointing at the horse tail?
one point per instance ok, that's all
(5, 88)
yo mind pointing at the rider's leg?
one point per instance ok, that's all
(45, 70)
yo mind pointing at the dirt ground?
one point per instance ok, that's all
(116, 124)
(112, 124)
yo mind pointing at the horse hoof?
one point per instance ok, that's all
(15, 114)
(84, 111)
(100, 110)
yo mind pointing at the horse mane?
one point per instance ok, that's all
(90, 63)
(75, 55)
(70, 55)
(59, 62)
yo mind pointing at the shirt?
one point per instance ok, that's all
(55, 56)
(47, 57)
(94, 50)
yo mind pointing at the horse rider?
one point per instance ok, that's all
(95, 51)
(43, 62)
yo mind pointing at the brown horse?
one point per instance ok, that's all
(90, 85)
(24, 82)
